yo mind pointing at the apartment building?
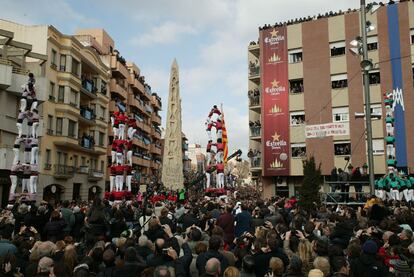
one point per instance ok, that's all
(16, 58)
(129, 92)
(74, 115)
(303, 78)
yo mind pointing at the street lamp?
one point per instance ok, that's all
(360, 47)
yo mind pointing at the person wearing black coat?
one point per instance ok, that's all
(214, 245)
(369, 264)
(54, 228)
(79, 223)
(155, 230)
(133, 265)
(117, 225)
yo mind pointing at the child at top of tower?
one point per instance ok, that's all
(214, 110)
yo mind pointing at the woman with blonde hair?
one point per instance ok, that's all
(231, 271)
(305, 253)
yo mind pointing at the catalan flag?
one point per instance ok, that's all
(225, 140)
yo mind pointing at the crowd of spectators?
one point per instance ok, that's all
(255, 127)
(237, 235)
(255, 157)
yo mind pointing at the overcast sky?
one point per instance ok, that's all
(209, 38)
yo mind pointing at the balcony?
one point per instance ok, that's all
(155, 149)
(63, 171)
(95, 175)
(83, 169)
(145, 127)
(87, 116)
(140, 161)
(156, 133)
(132, 101)
(138, 85)
(118, 67)
(254, 72)
(156, 118)
(155, 165)
(255, 133)
(256, 164)
(89, 88)
(138, 142)
(78, 145)
(6, 69)
(156, 102)
(254, 103)
(118, 89)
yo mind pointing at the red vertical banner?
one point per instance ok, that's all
(275, 101)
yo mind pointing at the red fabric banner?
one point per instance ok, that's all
(275, 101)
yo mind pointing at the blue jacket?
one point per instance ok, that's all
(7, 247)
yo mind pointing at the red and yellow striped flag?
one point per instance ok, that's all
(225, 140)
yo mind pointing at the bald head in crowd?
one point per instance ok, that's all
(213, 267)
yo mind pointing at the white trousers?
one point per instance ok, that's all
(220, 180)
(33, 184)
(219, 134)
(115, 130)
(219, 157)
(13, 179)
(121, 131)
(34, 155)
(112, 121)
(209, 134)
(27, 156)
(35, 129)
(34, 106)
(129, 157)
(19, 129)
(113, 156)
(128, 182)
(16, 158)
(131, 132)
(208, 180)
(111, 182)
(119, 158)
(23, 104)
(208, 156)
(395, 194)
(25, 184)
(407, 194)
(119, 180)
(380, 193)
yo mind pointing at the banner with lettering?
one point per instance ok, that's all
(327, 130)
(275, 101)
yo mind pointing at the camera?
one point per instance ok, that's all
(165, 251)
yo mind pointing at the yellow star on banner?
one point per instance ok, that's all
(275, 137)
(274, 33)
(275, 83)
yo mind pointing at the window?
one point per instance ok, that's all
(340, 114)
(83, 161)
(374, 78)
(50, 124)
(378, 146)
(376, 110)
(47, 159)
(372, 43)
(297, 118)
(62, 63)
(75, 161)
(59, 157)
(101, 138)
(76, 191)
(52, 91)
(337, 48)
(342, 148)
(59, 125)
(73, 98)
(103, 87)
(296, 86)
(75, 67)
(61, 94)
(295, 56)
(72, 128)
(53, 59)
(103, 113)
(412, 36)
(339, 81)
(298, 150)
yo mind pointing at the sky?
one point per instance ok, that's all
(209, 39)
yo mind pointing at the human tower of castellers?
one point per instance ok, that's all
(25, 164)
(121, 155)
(215, 150)
(394, 185)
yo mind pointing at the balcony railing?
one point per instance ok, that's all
(95, 174)
(48, 166)
(87, 114)
(86, 142)
(64, 171)
(50, 132)
(89, 86)
(255, 162)
(255, 131)
(254, 71)
(254, 101)
(83, 169)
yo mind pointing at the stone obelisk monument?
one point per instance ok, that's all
(172, 163)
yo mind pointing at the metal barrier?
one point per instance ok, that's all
(335, 196)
